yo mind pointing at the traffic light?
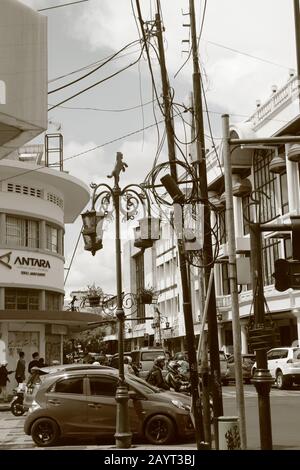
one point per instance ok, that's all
(287, 274)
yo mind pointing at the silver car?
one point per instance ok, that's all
(81, 403)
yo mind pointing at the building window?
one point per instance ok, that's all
(284, 194)
(21, 299)
(288, 250)
(22, 232)
(51, 238)
(264, 183)
(52, 301)
(140, 284)
(270, 254)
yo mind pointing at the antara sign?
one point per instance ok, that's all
(28, 265)
(31, 268)
(33, 262)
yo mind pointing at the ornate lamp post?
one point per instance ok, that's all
(131, 196)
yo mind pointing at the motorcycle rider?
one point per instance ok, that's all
(155, 376)
(173, 378)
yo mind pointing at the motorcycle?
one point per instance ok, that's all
(17, 406)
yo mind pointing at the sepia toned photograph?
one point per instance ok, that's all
(149, 229)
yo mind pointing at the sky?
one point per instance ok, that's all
(246, 47)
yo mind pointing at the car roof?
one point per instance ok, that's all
(74, 372)
(67, 367)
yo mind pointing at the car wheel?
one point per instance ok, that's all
(280, 381)
(44, 432)
(17, 408)
(159, 430)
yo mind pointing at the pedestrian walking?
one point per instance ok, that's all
(128, 369)
(34, 362)
(155, 376)
(20, 369)
(4, 373)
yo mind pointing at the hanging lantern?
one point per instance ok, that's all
(147, 232)
(277, 164)
(92, 231)
(293, 153)
(241, 188)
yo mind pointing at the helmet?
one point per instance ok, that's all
(96, 363)
(173, 366)
(159, 359)
(180, 357)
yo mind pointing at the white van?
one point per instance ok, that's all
(144, 359)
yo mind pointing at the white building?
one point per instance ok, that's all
(280, 115)
(36, 202)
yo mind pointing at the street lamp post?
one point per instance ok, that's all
(92, 233)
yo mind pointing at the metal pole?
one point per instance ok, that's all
(186, 295)
(123, 434)
(207, 246)
(236, 327)
(297, 33)
(262, 378)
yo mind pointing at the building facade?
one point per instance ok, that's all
(37, 199)
(279, 199)
(36, 203)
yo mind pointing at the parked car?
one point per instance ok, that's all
(36, 378)
(143, 358)
(247, 363)
(82, 403)
(284, 366)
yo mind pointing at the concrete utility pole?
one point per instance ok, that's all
(186, 294)
(207, 246)
(236, 327)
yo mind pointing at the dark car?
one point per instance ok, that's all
(82, 403)
(247, 363)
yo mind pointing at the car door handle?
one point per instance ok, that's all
(54, 402)
(94, 405)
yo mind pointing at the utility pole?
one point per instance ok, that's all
(297, 33)
(186, 294)
(207, 245)
(262, 378)
(236, 327)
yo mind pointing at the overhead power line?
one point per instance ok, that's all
(246, 54)
(94, 70)
(120, 110)
(62, 5)
(97, 83)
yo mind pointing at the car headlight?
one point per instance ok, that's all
(180, 405)
(34, 406)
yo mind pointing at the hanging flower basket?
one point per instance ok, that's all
(94, 295)
(94, 301)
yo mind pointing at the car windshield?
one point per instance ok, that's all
(142, 385)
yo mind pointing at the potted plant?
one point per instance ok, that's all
(94, 295)
(146, 295)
